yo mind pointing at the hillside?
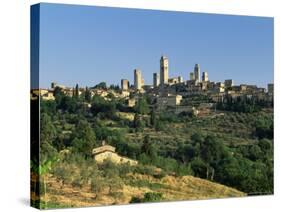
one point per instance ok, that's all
(136, 185)
(230, 148)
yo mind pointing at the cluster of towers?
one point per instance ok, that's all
(195, 75)
(157, 80)
(163, 78)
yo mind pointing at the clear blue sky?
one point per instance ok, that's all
(87, 45)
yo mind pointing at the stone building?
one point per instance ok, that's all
(45, 94)
(204, 85)
(228, 83)
(219, 87)
(131, 102)
(168, 101)
(183, 108)
(55, 85)
(270, 88)
(173, 80)
(107, 152)
(252, 89)
(243, 88)
(270, 92)
(125, 93)
(180, 79)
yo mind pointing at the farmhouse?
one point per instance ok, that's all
(106, 152)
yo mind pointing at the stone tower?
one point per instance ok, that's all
(156, 80)
(197, 72)
(164, 70)
(205, 77)
(191, 76)
(124, 84)
(137, 79)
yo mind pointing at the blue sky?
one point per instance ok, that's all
(87, 45)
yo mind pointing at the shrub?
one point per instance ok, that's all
(144, 169)
(148, 197)
(152, 197)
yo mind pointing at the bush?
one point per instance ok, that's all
(142, 106)
(160, 175)
(145, 169)
(264, 128)
(152, 197)
(136, 200)
(199, 168)
(97, 185)
(148, 197)
(160, 126)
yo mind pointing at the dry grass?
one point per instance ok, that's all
(172, 188)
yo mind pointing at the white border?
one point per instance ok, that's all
(14, 103)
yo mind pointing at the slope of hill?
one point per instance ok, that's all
(137, 185)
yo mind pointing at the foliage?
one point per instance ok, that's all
(114, 87)
(138, 123)
(101, 85)
(148, 148)
(153, 119)
(47, 135)
(84, 139)
(102, 108)
(76, 92)
(264, 128)
(235, 149)
(148, 197)
(142, 106)
(87, 95)
(244, 105)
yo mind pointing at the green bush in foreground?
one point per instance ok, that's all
(148, 197)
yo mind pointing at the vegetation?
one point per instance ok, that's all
(80, 181)
(234, 149)
(148, 197)
(243, 105)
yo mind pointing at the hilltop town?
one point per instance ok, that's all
(171, 93)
